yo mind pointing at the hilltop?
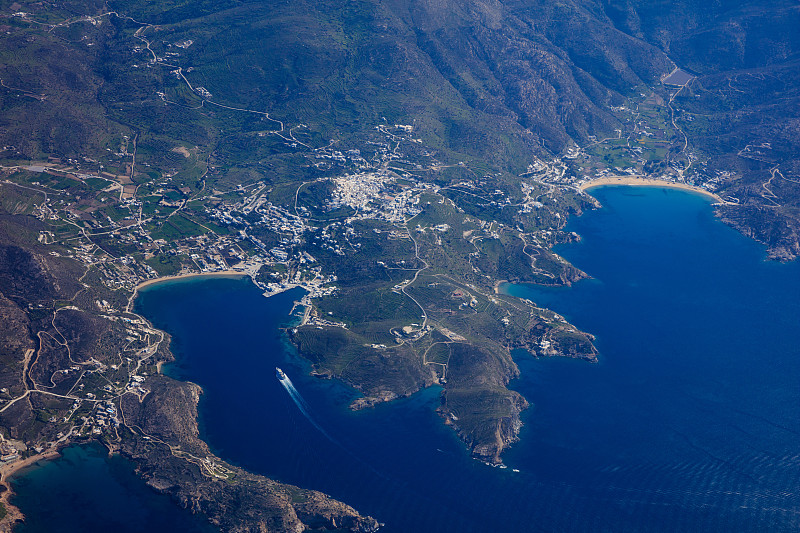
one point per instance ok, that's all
(398, 160)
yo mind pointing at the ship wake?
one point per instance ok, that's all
(301, 404)
(304, 409)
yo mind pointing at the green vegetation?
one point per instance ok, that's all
(164, 264)
(207, 135)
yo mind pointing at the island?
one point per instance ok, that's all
(354, 159)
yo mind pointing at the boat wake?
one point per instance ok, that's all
(299, 401)
(303, 407)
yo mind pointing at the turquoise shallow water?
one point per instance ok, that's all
(690, 422)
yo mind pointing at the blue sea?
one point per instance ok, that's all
(85, 491)
(689, 422)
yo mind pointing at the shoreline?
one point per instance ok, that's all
(648, 182)
(498, 284)
(216, 274)
(177, 277)
(13, 514)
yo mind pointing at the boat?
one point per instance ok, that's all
(279, 373)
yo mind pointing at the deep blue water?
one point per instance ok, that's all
(690, 422)
(85, 491)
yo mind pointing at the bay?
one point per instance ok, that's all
(689, 422)
(85, 491)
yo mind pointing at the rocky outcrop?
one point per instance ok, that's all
(769, 226)
(163, 441)
(493, 439)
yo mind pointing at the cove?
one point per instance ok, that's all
(85, 491)
(689, 422)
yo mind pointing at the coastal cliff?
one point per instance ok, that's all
(163, 441)
(769, 226)
(62, 327)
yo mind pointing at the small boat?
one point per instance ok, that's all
(279, 373)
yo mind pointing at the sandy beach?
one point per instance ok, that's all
(217, 274)
(9, 469)
(647, 182)
(12, 513)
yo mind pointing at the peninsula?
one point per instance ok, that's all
(397, 160)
